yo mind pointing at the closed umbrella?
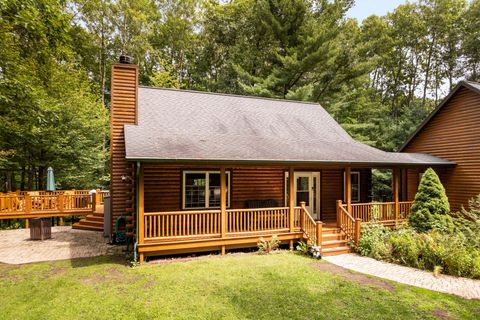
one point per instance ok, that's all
(50, 180)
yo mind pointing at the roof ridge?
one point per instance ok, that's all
(231, 95)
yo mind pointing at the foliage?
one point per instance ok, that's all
(10, 226)
(308, 249)
(467, 221)
(430, 208)
(381, 185)
(49, 113)
(267, 246)
(448, 252)
(304, 247)
(373, 242)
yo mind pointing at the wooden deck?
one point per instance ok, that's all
(38, 204)
(201, 230)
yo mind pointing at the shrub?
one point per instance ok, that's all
(267, 246)
(467, 222)
(430, 207)
(307, 249)
(405, 247)
(304, 248)
(374, 241)
(435, 251)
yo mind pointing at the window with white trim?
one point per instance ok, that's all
(201, 189)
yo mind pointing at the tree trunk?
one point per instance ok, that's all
(427, 70)
(41, 177)
(22, 179)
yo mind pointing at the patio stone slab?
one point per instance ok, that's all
(66, 243)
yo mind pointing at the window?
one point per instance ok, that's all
(355, 178)
(355, 186)
(201, 189)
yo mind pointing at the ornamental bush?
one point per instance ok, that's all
(430, 208)
(433, 250)
(374, 241)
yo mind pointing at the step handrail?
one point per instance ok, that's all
(311, 229)
(348, 224)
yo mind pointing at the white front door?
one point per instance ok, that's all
(307, 189)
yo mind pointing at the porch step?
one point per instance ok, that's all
(330, 230)
(79, 226)
(334, 244)
(334, 241)
(336, 251)
(93, 222)
(332, 236)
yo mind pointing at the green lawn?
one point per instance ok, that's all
(247, 286)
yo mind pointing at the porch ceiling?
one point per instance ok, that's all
(186, 126)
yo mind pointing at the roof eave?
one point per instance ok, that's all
(292, 162)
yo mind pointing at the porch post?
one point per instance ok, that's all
(291, 196)
(395, 189)
(358, 230)
(223, 202)
(141, 211)
(319, 226)
(348, 191)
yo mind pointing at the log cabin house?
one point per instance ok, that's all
(197, 171)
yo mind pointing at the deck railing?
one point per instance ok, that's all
(40, 203)
(100, 195)
(348, 224)
(206, 224)
(307, 224)
(257, 220)
(164, 225)
(384, 212)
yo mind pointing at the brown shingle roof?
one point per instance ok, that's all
(181, 125)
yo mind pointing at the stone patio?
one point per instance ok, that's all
(463, 287)
(66, 243)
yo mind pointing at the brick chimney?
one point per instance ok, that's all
(123, 110)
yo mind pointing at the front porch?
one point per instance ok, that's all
(234, 225)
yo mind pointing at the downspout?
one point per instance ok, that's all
(136, 213)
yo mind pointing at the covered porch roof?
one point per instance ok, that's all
(189, 126)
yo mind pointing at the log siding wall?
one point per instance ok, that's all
(454, 134)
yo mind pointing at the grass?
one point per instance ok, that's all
(248, 286)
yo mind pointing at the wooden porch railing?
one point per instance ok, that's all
(255, 220)
(165, 225)
(307, 224)
(384, 212)
(389, 213)
(182, 225)
(347, 223)
(100, 195)
(43, 204)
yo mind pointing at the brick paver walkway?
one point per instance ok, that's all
(66, 243)
(466, 288)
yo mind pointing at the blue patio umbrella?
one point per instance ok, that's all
(50, 180)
